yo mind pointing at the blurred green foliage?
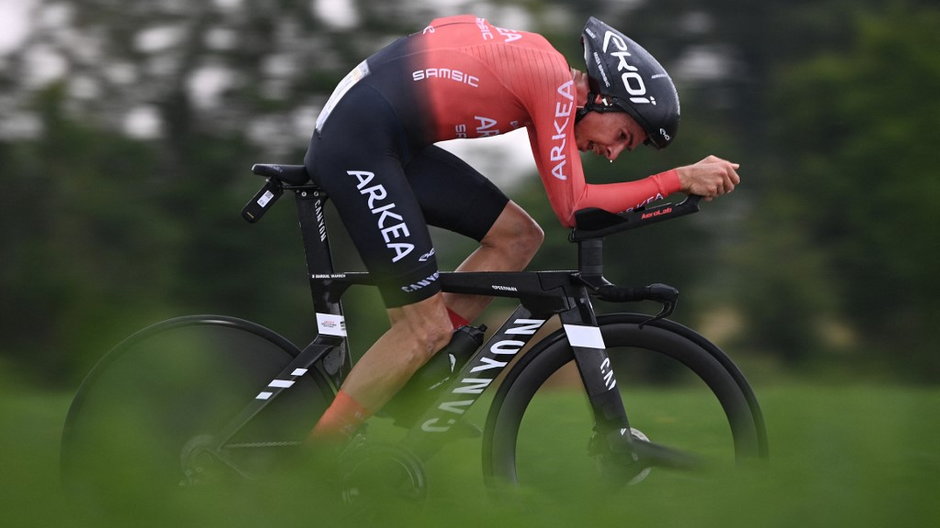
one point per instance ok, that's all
(822, 262)
(856, 456)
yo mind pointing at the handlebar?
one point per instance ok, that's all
(658, 292)
(662, 293)
(597, 223)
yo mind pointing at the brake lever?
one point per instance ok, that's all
(665, 294)
(668, 308)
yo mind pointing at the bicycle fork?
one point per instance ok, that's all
(613, 432)
(594, 366)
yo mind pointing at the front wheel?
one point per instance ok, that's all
(679, 391)
(148, 412)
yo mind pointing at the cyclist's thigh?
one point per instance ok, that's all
(453, 195)
(357, 161)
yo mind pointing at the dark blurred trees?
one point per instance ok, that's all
(123, 175)
(861, 189)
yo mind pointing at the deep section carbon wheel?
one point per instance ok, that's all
(681, 391)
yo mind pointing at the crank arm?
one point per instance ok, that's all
(201, 446)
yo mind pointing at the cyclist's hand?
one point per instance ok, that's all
(710, 178)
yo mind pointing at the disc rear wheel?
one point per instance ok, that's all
(148, 412)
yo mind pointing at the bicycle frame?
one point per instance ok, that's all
(247, 441)
(542, 295)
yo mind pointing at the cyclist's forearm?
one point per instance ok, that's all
(622, 196)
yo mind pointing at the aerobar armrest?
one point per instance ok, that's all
(597, 223)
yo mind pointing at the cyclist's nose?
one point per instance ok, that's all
(614, 151)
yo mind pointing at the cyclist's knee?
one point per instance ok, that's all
(531, 238)
(515, 232)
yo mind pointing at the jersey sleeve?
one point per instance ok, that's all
(551, 105)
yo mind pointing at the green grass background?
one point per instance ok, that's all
(841, 456)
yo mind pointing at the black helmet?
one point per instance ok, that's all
(629, 80)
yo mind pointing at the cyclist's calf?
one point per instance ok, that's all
(427, 325)
(418, 331)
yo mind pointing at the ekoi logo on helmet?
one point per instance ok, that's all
(631, 78)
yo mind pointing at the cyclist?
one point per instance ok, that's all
(462, 77)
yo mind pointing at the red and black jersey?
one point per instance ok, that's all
(462, 77)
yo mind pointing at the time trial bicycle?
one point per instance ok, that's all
(192, 398)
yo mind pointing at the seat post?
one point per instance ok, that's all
(310, 211)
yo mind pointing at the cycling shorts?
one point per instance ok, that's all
(387, 190)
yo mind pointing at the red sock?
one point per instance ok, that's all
(456, 319)
(340, 420)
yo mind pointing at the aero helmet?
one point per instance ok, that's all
(630, 80)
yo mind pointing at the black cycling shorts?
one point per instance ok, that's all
(388, 191)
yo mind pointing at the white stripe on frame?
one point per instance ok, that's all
(584, 336)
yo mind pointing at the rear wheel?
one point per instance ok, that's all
(148, 412)
(679, 390)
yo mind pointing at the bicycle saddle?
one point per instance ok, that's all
(289, 174)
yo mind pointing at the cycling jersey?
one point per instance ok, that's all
(461, 77)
